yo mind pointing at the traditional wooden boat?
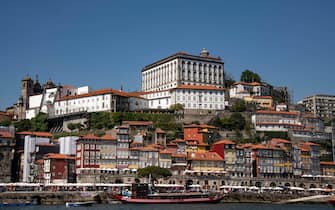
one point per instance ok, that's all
(78, 204)
(140, 195)
(332, 201)
(168, 198)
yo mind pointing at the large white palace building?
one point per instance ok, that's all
(197, 82)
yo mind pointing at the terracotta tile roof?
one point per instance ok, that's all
(6, 134)
(224, 141)
(137, 123)
(278, 140)
(259, 146)
(104, 137)
(178, 155)
(58, 156)
(166, 151)
(149, 149)
(199, 87)
(327, 163)
(101, 92)
(36, 133)
(204, 156)
(248, 83)
(275, 112)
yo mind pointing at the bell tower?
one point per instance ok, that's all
(27, 88)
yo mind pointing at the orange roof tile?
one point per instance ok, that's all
(327, 163)
(165, 151)
(224, 141)
(178, 155)
(204, 156)
(101, 92)
(36, 133)
(58, 156)
(248, 83)
(92, 136)
(6, 134)
(199, 87)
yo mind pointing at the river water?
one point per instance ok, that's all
(220, 206)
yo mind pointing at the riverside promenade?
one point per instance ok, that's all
(61, 197)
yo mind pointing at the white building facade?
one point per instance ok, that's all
(98, 101)
(244, 89)
(196, 82)
(182, 68)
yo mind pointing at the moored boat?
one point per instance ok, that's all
(140, 195)
(332, 201)
(78, 204)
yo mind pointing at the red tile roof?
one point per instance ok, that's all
(327, 163)
(178, 155)
(36, 133)
(101, 92)
(225, 141)
(92, 136)
(204, 156)
(58, 156)
(248, 83)
(6, 134)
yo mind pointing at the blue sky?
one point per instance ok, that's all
(106, 43)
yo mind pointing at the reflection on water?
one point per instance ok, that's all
(220, 206)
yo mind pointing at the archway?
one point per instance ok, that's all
(287, 184)
(273, 184)
(302, 185)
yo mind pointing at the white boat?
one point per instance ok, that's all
(77, 204)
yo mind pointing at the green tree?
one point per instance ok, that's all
(238, 106)
(5, 123)
(71, 126)
(155, 171)
(40, 122)
(249, 76)
(177, 107)
(23, 125)
(237, 121)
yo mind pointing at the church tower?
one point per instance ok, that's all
(27, 89)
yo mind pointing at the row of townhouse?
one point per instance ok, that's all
(90, 158)
(299, 125)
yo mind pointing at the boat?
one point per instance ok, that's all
(332, 201)
(140, 195)
(78, 204)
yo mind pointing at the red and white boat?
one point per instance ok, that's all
(171, 198)
(141, 195)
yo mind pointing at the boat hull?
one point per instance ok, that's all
(124, 199)
(78, 204)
